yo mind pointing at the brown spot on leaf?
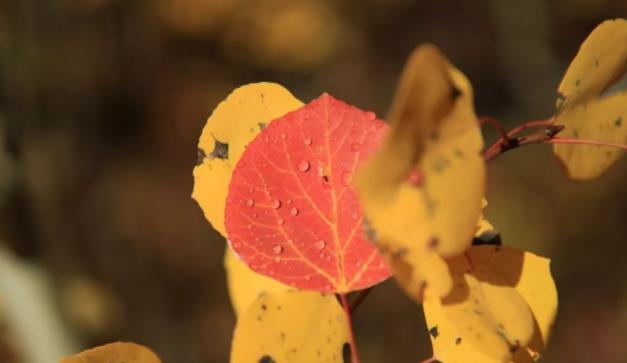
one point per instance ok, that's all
(220, 150)
(266, 359)
(434, 332)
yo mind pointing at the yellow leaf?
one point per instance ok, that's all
(501, 309)
(433, 130)
(600, 62)
(229, 129)
(245, 285)
(292, 327)
(115, 353)
(602, 120)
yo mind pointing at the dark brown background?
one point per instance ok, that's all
(102, 102)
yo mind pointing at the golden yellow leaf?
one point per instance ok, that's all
(245, 285)
(115, 353)
(232, 126)
(433, 130)
(501, 309)
(602, 120)
(292, 327)
(600, 62)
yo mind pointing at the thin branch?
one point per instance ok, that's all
(510, 141)
(361, 296)
(563, 140)
(541, 136)
(353, 342)
(497, 125)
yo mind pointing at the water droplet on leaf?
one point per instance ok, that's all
(294, 211)
(277, 249)
(307, 141)
(355, 146)
(250, 202)
(303, 165)
(276, 204)
(320, 244)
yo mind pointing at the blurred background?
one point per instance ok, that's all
(101, 106)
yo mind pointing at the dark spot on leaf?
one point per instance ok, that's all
(576, 133)
(458, 340)
(492, 237)
(266, 359)
(478, 312)
(434, 332)
(618, 122)
(220, 150)
(282, 335)
(433, 243)
(259, 318)
(400, 252)
(596, 62)
(325, 178)
(514, 347)
(559, 103)
(264, 307)
(455, 92)
(370, 232)
(346, 353)
(201, 156)
(459, 153)
(441, 164)
(435, 135)
(577, 83)
(262, 125)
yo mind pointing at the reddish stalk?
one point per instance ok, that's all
(361, 296)
(353, 342)
(508, 142)
(564, 140)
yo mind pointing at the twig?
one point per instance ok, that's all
(361, 296)
(564, 140)
(353, 342)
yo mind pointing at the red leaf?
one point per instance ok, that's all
(291, 211)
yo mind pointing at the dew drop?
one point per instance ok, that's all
(277, 249)
(281, 221)
(355, 146)
(283, 136)
(289, 201)
(254, 215)
(250, 202)
(294, 211)
(276, 204)
(347, 178)
(303, 165)
(320, 244)
(307, 141)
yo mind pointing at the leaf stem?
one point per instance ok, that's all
(564, 140)
(511, 140)
(361, 296)
(353, 342)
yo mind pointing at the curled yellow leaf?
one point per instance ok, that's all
(229, 129)
(434, 135)
(115, 353)
(600, 62)
(292, 327)
(501, 309)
